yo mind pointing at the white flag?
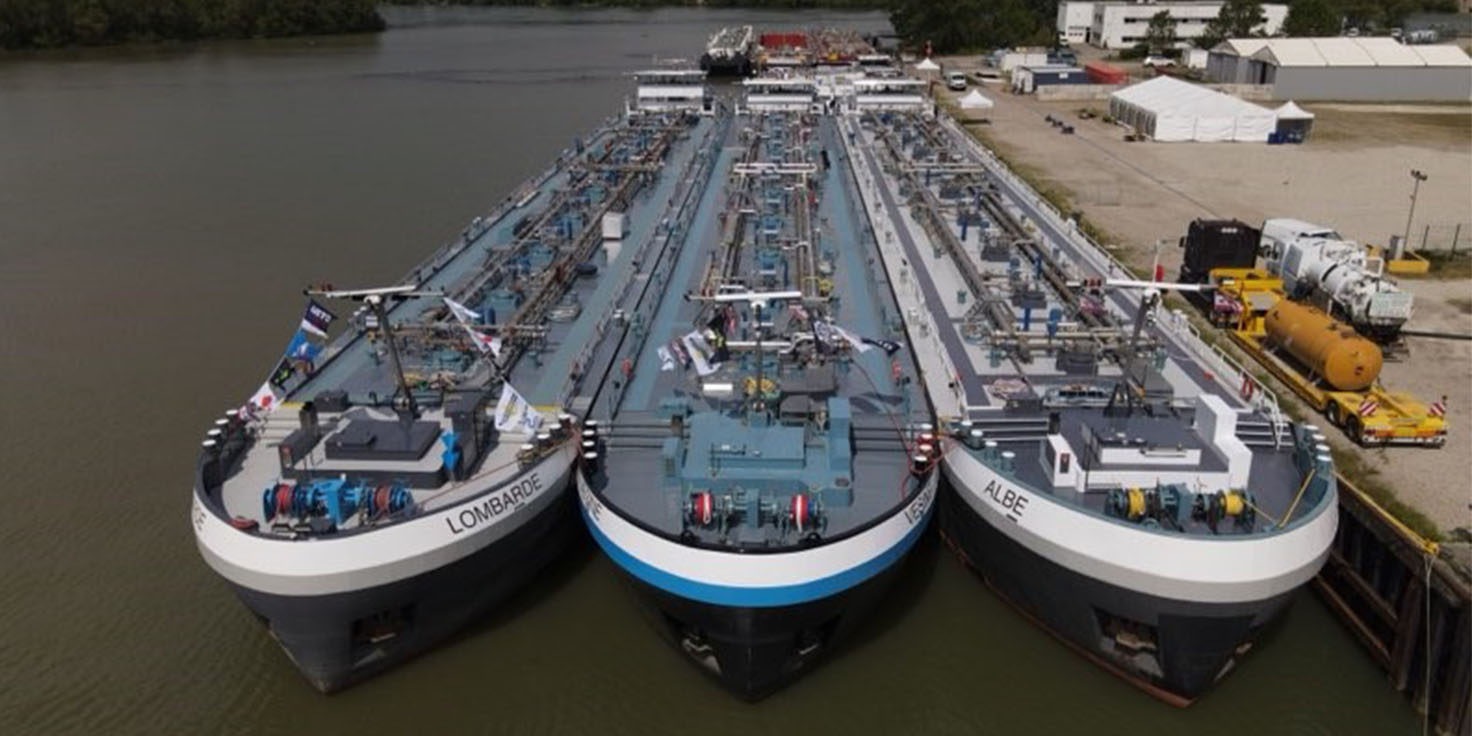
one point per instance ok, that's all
(461, 312)
(514, 413)
(700, 353)
(486, 343)
(263, 400)
(852, 339)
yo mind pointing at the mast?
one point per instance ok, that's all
(375, 299)
(376, 303)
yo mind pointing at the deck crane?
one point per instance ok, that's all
(376, 299)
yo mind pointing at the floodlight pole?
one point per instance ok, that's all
(1417, 177)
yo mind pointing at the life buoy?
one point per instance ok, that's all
(702, 508)
(800, 511)
(1248, 387)
(283, 499)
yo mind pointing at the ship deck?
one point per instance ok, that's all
(975, 292)
(520, 267)
(732, 222)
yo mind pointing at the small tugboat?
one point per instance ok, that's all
(728, 52)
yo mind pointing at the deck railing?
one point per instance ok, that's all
(1262, 398)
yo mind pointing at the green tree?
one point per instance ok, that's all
(1312, 18)
(969, 25)
(1160, 35)
(1237, 19)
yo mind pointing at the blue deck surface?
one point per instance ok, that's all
(706, 231)
(348, 367)
(723, 448)
(642, 218)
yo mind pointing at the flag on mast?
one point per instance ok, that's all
(513, 412)
(700, 352)
(263, 400)
(485, 343)
(853, 340)
(317, 319)
(463, 313)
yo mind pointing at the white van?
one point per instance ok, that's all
(955, 80)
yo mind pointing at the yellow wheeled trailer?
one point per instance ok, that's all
(1325, 362)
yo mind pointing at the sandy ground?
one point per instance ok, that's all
(1352, 175)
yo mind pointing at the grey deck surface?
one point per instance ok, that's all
(1275, 475)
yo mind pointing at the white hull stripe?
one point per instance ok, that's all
(328, 565)
(756, 580)
(1227, 569)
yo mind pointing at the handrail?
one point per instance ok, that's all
(1263, 398)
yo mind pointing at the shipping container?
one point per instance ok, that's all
(1028, 79)
(1102, 73)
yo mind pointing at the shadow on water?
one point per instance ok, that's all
(903, 597)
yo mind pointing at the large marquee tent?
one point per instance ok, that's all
(1167, 109)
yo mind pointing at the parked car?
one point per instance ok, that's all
(956, 81)
(1159, 61)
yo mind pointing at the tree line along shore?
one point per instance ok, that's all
(32, 24)
(947, 26)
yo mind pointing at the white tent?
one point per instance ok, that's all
(1294, 123)
(1167, 110)
(1290, 111)
(976, 101)
(927, 66)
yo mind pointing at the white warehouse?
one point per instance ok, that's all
(1115, 25)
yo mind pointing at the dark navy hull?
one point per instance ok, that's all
(1173, 649)
(756, 651)
(339, 640)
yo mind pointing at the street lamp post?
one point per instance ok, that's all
(1417, 177)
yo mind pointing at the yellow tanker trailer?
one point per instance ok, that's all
(1324, 361)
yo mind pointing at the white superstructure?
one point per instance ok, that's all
(898, 93)
(781, 94)
(671, 90)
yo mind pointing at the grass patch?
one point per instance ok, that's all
(1446, 265)
(1348, 461)
(1375, 128)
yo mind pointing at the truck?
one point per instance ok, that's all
(1318, 265)
(1326, 363)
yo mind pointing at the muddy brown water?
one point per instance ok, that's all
(160, 210)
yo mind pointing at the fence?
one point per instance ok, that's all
(1450, 238)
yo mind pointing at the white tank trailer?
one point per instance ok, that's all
(1318, 265)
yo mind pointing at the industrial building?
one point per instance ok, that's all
(1114, 25)
(1350, 69)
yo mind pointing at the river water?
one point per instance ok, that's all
(160, 210)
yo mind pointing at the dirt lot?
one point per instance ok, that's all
(1353, 175)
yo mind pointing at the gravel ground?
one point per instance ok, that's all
(1352, 175)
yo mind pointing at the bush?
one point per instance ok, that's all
(1134, 53)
